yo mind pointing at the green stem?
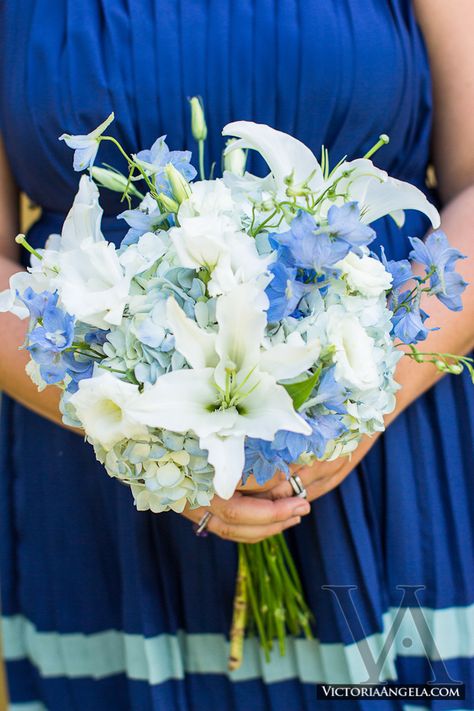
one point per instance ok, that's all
(201, 160)
(278, 609)
(290, 562)
(254, 603)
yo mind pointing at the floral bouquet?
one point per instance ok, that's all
(243, 324)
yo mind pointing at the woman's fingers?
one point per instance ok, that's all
(248, 533)
(243, 510)
(240, 533)
(247, 519)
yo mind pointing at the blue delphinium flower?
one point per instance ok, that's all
(36, 303)
(325, 427)
(400, 270)
(284, 291)
(86, 146)
(55, 332)
(78, 368)
(408, 322)
(330, 393)
(289, 446)
(449, 289)
(304, 248)
(52, 335)
(97, 337)
(344, 225)
(145, 218)
(310, 246)
(261, 460)
(439, 259)
(157, 158)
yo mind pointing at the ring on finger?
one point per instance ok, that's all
(298, 487)
(200, 528)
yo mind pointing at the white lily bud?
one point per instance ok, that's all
(112, 180)
(179, 185)
(198, 121)
(235, 160)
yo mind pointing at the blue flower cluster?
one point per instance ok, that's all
(307, 251)
(438, 259)
(50, 339)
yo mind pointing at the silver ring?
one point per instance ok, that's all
(201, 526)
(297, 486)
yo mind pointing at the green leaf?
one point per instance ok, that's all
(301, 391)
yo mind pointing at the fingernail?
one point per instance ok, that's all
(292, 522)
(302, 509)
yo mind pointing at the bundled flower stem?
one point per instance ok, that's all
(268, 598)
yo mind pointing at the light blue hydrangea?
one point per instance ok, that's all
(166, 472)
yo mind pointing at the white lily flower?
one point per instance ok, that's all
(212, 243)
(104, 407)
(231, 389)
(378, 194)
(284, 154)
(86, 146)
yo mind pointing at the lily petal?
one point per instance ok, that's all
(242, 320)
(183, 400)
(195, 344)
(287, 360)
(391, 197)
(227, 456)
(284, 154)
(268, 409)
(83, 220)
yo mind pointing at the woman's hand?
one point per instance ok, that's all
(248, 519)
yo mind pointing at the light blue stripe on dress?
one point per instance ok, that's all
(158, 659)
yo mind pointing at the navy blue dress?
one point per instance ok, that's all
(107, 608)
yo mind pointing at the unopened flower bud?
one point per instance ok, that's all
(112, 180)
(179, 185)
(168, 203)
(234, 158)
(441, 365)
(456, 368)
(198, 121)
